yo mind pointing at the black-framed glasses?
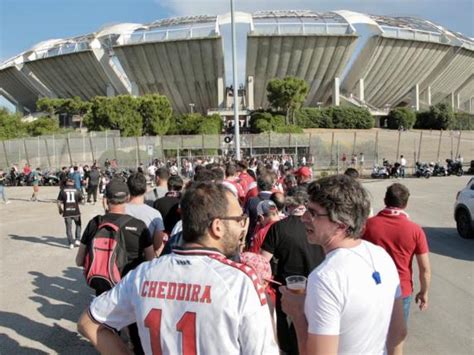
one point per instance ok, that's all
(242, 219)
(314, 214)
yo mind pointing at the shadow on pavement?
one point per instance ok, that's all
(9, 345)
(447, 242)
(59, 242)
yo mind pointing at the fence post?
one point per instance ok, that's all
(106, 145)
(115, 147)
(5, 151)
(92, 147)
(337, 158)
(376, 148)
(439, 144)
(398, 144)
(54, 152)
(354, 143)
(47, 152)
(332, 149)
(138, 151)
(419, 147)
(162, 151)
(459, 143)
(69, 149)
(269, 141)
(452, 145)
(27, 156)
(39, 158)
(83, 148)
(251, 144)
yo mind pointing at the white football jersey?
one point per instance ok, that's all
(191, 302)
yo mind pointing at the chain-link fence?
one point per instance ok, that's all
(326, 149)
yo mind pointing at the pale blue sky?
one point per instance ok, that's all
(23, 23)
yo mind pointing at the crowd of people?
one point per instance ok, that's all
(208, 247)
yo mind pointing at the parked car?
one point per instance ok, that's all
(464, 211)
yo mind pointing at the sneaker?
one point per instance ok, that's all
(71, 246)
(77, 243)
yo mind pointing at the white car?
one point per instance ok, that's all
(464, 211)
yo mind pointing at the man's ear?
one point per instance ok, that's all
(217, 228)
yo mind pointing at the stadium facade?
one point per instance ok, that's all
(347, 58)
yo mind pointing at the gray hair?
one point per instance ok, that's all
(345, 201)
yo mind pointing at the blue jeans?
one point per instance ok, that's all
(3, 195)
(406, 307)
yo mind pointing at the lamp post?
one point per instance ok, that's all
(236, 91)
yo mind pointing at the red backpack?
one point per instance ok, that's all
(106, 255)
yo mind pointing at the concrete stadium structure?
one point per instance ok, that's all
(347, 58)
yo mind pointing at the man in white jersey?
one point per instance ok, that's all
(194, 300)
(353, 301)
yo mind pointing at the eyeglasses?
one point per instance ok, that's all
(315, 214)
(242, 219)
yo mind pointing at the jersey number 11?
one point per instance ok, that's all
(186, 325)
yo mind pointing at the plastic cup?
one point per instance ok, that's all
(296, 284)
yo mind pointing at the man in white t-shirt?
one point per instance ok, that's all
(403, 166)
(353, 301)
(194, 300)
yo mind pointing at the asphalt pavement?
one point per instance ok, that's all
(43, 292)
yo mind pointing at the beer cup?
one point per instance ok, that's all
(296, 284)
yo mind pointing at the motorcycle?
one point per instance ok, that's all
(454, 167)
(380, 172)
(439, 170)
(50, 178)
(423, 170)
(394, 170)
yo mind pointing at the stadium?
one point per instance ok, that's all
(347, 58)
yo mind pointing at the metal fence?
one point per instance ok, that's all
(324, 148)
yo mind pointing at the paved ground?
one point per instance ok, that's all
(43, 292)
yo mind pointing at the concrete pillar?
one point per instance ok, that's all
(416, 97)
(361, 90)
(458, 101)
(250, 93)
(453, 106)
(110, 90)
(428, 93)
(220, 92)
(471, 105)
(134, 86)
(336, 100)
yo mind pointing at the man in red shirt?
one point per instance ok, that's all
(403, 239)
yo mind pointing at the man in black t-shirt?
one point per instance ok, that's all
(68, 206)
(168, 205)
(287, 243)
(93, 180)
(138, 242)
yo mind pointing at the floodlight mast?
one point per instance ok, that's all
(236, 90)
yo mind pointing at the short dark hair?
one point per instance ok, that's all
(203, 175)
(353, 173)
(397, 196)
(218, 173)
(345, 201)
(201, 203)
(265, 181)
(230, 169)
(136, 184)
(279, 199)
(299, 197)
(175, 183)
(162, 173)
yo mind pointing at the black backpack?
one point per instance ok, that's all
(106, 255)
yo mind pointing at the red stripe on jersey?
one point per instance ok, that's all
(197, 252)
(247, 270)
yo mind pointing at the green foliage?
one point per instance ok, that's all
(311, 117)
(289, 129)
(43, 126)
(350, 117)
(287, 94)
(156, 112)
(401, 116)
(71, 106)
(119, 112)
(463, 121)
(267, 122)
(211, 125)
(11, 125)
(439, 116)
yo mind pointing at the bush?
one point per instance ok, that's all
(11, 125)
(43, 126)
(439, 116)
(211, 125)
(463, 121)
(350, 117)
(260, 122)
(156, 113)
(310, 117)
(401, 116)
(289, 129)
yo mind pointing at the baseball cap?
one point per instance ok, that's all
(265, 207)
(304, 171)
(260, 265)
(116, 188)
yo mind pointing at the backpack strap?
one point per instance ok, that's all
(123, 220)
(156, 193)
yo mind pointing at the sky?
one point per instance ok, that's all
(24, 23)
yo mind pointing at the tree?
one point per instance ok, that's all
(401, 116)
(11, 125)
(287, 94)
(156, 113)
(211, 125)
(439, 116)
(311, 117)
(43, 125)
